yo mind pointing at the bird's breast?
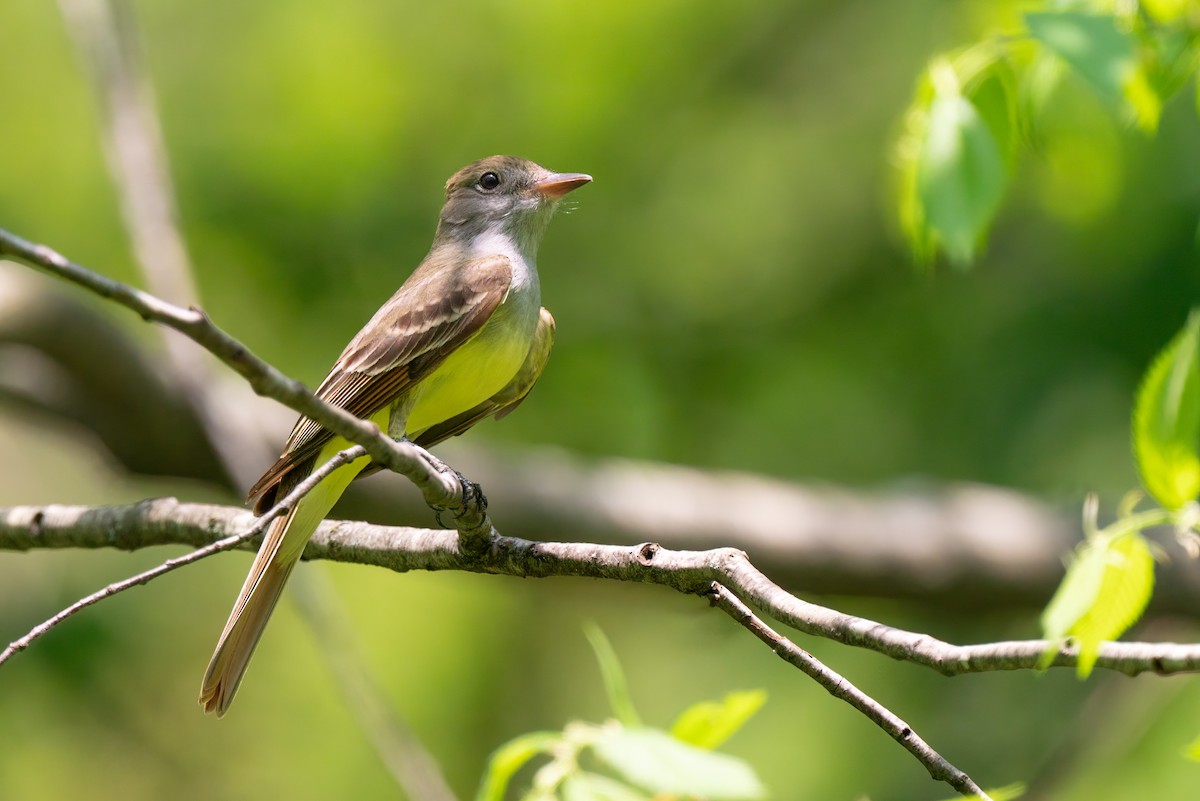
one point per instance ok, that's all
(483, 365)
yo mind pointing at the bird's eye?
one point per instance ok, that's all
(489, 181)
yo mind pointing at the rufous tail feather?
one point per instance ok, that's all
(281, 549)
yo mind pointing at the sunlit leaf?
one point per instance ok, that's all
(994, 95)
(1106, 589)
(1092, 44)
(961, 173)
(906, 156)
(1166, 420)
(593, 787)
(614, 678)
(658, 763)
(710, 723)
(1104, 54)
(1171, 55)
(510, 758)
(1075, 595)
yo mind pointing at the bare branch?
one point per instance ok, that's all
(839, 687)
(62, 357)
(35, 523)
(477, 546)
(165, 520)
(978, 546)
(441, 487)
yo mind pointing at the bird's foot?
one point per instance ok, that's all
(473, 500)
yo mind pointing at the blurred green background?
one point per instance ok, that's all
(730, 292)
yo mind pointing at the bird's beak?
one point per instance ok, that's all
(557, 184)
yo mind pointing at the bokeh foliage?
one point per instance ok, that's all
(732, 291)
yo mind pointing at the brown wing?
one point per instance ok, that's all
(507, 399)
(431, 315)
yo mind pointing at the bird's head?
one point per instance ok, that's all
(504, 195)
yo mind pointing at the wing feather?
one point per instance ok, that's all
(429, 317)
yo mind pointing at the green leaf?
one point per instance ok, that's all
(614, 678)
(1166, 420)
(710, 723)
(657, 763)
(1105, 591)
(1170, 55)
(961, 172)
(593, 787)
(1104, 54)
(510, 758)
(994, 93)
(1093, 44)
(1075, 595)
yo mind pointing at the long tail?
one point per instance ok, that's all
(281, 549)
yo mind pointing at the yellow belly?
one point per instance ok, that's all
(472, 374)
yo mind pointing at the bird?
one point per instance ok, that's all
(464, 338)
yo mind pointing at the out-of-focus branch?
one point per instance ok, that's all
(105, 37)
(973, 545)
(165, 520)
(65, 358)
(413, 768)
(106, 40)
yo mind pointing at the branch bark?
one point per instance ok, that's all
(441, 487)
(839, 687)
(166, 521)
(231, 540)
(978, 546)
(477, 546)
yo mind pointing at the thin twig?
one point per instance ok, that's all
(839, 687)
(165, 520)
(231, 541)
(441, 487)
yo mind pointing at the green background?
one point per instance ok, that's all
(730, 292)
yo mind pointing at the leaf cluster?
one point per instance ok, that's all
(624, 760)
(975, 109)
(1110, 580)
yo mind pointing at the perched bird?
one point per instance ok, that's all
(464, 338)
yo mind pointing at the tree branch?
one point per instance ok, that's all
(478, 547)
(239, 536)
(839, 687)
(166, 521)
(65, 358)
(976, 545)
(441, 487)
(106, 43)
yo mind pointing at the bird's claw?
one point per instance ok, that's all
(472, 496)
